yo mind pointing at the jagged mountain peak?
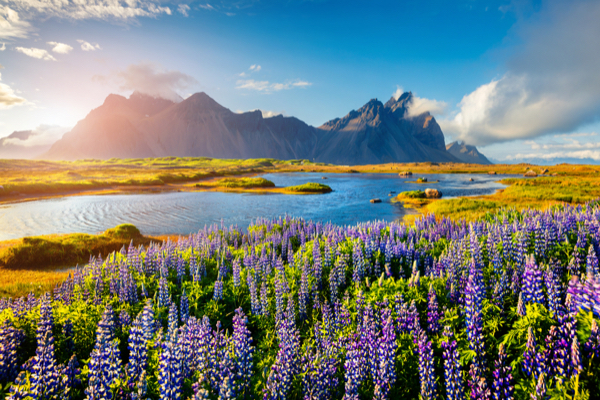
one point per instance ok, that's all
(466, 153)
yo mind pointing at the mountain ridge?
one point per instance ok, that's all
(145, 126)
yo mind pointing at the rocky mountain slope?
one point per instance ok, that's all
(144, 126)
(466, 153)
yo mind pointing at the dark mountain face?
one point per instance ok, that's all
(466, 153)
(378, 133)
(144, 126)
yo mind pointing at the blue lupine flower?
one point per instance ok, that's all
(592, 262)
(173, 325)
(426, 368)
(385, 376)
(10, 339)
(243, 350)
(218, 293)
(433, 312)
(502, 388)
(530, 353)
(452, 370)
(532, 283)
(184, 307)
(354, 369)
(170, 377)
(45, 374)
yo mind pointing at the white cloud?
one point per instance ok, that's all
(11, 25)
(253, 68)
(60, 48)
(91, 9)
(268, 87)
(86, 46)
(3, 47)
(183, 9)
(551, 84)
(43, 135)
(419, 105)
(148, 78)
(8, 98)
(36, 53)
(398, 92)
(580, 154)
(265, 113)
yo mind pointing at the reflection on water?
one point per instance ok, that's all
(183, 213)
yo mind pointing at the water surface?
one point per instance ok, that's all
(186, 212)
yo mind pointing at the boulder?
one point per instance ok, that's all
(375, 200)
(544, 171)
(492, 173)
(323, 177)
(530, 174)
(422, 180)
(405, 173)
(471, 180)
(433, 194)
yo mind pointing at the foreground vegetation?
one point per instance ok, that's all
(505, 306)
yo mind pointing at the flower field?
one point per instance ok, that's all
(505, 307)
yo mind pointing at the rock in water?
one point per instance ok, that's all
(530, 174)
(405, 173)
(433, 194)
(375, 200)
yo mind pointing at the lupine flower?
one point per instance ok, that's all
(163, 291)
(592, 346)
(540, 389)
(184, 307)
(502, 388)
(243, 349)
(426, 368)
(320, 378)
(173, 325)
(354, 370)
(105, 360)
(138, 354)
(521, 310)
(452, 370)
(45, 374)
(532, 283)
(218, 293)
(10, 339)
(530, 354)
(592, 262)
(478, 384)
(170, 378)
(385, 376)
(433, 313)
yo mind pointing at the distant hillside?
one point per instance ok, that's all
(466, 153)
(144, 126)
(30, 143)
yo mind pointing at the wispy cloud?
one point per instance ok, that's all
(265, 113)
(8, 98)
(87, 46)
(150, 79)
(268, 87)
(183, 9)
(11, 24)
(551, 84)
(60, 48)
(3, 47)
(36, 53)
(253, 68)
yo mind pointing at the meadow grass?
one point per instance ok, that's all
(38, 263)
(309, 187)
(238, 183)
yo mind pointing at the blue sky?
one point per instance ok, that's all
(492, 72)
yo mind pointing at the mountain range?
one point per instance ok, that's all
(144, 126)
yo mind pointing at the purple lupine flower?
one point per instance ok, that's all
(163, 291)
(170, 377)
(45, 374)
(218, 292)
(124, 320)
(452, 370)
(173, 324)
(433, 312)
(184, 307)
(592, 262)
(540, 389)
(478, 384)
(138, 354)
(426, 368)
(10, 339)
(385, 376)
(532, 283)
(502, 388)
(69, 380)
(320, 378)
(474, 293)
(243, 350)
(264, 298)
(355, 370)
(529, 355)
(521, 310)
(575, 357)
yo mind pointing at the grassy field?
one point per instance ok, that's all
(37, 264)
